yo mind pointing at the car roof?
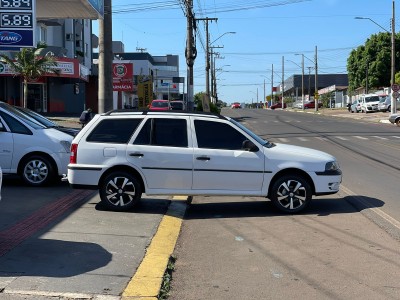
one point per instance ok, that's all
(132, 112)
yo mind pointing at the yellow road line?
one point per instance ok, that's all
(147, 280)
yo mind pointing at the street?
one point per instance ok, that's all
(344, 246)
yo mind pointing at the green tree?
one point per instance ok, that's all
(31, 64)
(372, 60)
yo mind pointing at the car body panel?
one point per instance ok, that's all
(369, 103)
(278, 105)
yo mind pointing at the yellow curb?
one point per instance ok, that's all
(146, 282)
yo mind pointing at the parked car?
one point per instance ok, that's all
(178, 105)
(172, 153)
(36, 153)
(395, 119)
(310, 104)
(46, 122)
(356, 106)
(236, 105)
(278, 105)
(160, 105)
(369, 103)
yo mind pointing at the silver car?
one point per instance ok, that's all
(356, 106)
(384, 104)
(395, 119)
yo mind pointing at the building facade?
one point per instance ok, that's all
(70, 42)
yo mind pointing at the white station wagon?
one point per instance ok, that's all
(124, 154)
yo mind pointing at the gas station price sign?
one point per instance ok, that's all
(17, 23)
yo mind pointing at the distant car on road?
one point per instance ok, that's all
(236, 105)
(177, 105)
(278, 105)
(160, 105)
(308, 104)
(395, 119)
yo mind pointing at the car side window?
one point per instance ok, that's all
(163, 132)
(15, 125)
(115, 131)
(216, 135)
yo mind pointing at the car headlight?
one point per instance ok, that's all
(332, 166)
(66, 145)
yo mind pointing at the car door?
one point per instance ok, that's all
(162, 152)
(6, 146)
(221, 166)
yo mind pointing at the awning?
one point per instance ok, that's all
(69, 9)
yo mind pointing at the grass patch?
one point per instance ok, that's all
(167, 279)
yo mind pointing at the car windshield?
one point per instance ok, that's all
(37, 117)
(159, 104)
(372, 99)
(252, 134)
(27, 119)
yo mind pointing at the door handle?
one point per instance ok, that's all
(136, 154)
(203, 158)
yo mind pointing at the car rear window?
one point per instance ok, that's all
(116, 131)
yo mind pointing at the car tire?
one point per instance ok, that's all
(291, 193)
(37, 170)
(398, 122)
(120, 191)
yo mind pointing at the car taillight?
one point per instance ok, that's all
(74, 152)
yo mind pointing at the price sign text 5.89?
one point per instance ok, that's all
(16, 20)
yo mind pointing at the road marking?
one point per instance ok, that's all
(146, 282)
(379, 137)
(283, 140)
(341, 138)
(361, 137)
(302, 139)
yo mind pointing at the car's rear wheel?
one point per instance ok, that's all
(37, 170)
(120, 191)
(291, 193)
(398, 122)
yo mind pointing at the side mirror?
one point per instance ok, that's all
(249, 146)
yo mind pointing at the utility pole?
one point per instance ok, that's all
(190, 52)
(316, 96)
(393, 106)
(302, 80)
(272, 85)
(105, 88)
(206, 20)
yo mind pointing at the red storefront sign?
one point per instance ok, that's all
(122, 76)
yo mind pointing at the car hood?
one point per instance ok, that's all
(290, 156)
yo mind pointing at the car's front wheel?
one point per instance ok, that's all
(120, 191)
(291, 193)
(37, 170)
(398, 122)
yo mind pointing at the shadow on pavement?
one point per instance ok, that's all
(55, 258)
(249, 209)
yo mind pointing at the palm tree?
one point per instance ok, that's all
(30, 64)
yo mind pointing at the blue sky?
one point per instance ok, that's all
(266, 31)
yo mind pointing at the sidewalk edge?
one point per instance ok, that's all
(146, 282)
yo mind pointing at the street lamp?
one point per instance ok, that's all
(229, 32)
(363, 18)
(309, 80)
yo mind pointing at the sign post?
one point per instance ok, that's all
(17, 24)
